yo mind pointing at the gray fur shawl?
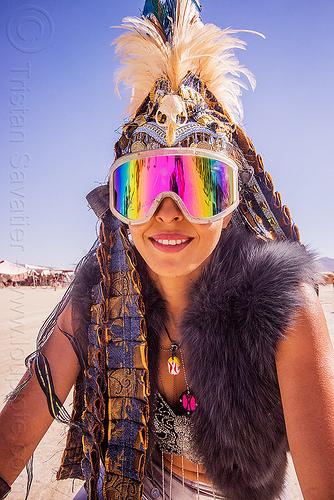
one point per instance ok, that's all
(239, 309)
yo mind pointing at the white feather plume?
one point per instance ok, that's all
(208, 51)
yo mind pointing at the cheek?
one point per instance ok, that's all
(137, 234)
(134, 236)
(138, 239)
(226, 220)
(216, 231)
(210, 237)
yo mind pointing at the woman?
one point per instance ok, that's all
(186, 336)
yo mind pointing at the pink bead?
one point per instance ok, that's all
(188, 402)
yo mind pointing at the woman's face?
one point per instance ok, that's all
(171, 245)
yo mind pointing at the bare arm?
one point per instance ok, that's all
(24, 421)
(305, 366)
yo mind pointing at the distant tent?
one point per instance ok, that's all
(14, 271)
(18, 272)
(43, 270)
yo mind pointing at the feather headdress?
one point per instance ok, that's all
(168, 41)
(186, 85)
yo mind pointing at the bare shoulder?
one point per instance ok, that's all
(305, 369)
(307, 334)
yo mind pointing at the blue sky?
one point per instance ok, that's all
(60, 116)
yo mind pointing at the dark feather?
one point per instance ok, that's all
(163, 13)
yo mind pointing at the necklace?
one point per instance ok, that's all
(174, 368)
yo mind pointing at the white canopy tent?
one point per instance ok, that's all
(38, 269)
(11, 270)
(20, 272)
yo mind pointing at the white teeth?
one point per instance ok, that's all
(171, 242)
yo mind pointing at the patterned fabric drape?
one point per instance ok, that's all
(116, 381)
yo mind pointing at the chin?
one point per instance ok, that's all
(192, 271)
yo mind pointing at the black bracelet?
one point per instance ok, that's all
(4, 488)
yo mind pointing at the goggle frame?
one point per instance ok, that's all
(174, 151)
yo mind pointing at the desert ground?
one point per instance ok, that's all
(22, 312)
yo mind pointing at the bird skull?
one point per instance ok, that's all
(170, 115)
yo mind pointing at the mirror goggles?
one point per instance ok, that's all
(204, 184)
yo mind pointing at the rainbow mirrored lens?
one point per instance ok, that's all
(205, 185)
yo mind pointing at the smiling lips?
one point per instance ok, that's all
(170, 242)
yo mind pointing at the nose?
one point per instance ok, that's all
(168, 211)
